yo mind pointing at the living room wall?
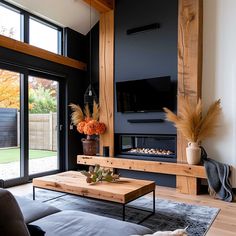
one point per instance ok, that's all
(219, 76)
(145, 54)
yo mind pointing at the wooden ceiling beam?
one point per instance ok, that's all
(27, 49)
(101, 5)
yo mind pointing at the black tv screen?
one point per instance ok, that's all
(145, 95)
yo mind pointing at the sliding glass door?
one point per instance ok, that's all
(30, 125)
(43, 125)
(9, 124)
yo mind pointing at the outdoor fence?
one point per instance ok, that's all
(8, 124)
(42, 130)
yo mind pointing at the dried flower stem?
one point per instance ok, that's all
(192, 123)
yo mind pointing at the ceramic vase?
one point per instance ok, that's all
(89, 146)
(193, 152)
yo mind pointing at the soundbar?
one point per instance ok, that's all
(145, 120)
(143, 28)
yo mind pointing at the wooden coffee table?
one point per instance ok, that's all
(122, 192)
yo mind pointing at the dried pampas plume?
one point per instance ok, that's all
(96, 111)
(87, 111)
(77, 114)
(192, 123)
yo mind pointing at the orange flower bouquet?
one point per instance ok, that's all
(88, 124)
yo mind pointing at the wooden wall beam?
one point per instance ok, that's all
(101, 5)
(25, 48)
(190, 26)
(106, 79)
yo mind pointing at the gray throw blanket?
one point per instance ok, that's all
(218, 178)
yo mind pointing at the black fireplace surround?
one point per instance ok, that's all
(152, 147)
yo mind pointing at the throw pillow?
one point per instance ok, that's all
(11, 219)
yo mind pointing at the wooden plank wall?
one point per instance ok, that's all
(189, 72)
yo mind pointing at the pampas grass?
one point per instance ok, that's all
(194, 125)
(96, 111)
(87, 112)
(79, 115)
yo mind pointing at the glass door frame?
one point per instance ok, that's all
(24, 126)
(60, 121)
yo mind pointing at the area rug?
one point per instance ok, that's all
(170, 215)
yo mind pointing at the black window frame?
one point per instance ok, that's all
(24, 72)
(25, 18)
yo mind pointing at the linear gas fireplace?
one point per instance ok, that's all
(146, 147)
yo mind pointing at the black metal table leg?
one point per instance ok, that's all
(154, 202)
(123, 212)
(151, 212)
(33, 193)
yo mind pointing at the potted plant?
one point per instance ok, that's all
(89, 125)
(194, 125)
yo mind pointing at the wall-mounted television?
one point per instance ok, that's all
(146, 95)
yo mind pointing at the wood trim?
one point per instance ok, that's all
(192, 171)
(25, 48)
(189, 58)
(106, 79)
(190, 34)
(102, 6)
(187, 185)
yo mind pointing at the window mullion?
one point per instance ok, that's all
(26, 27)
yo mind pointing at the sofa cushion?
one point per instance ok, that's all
(11, 219)
(35, 230)
(77, 223)
(34, 210)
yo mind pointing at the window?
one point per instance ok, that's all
(38, 32)
(10, 22)
(10, 145)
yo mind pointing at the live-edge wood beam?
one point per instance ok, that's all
(106, 79)
(102, 6)
(190, 26)
(192, 171)
(27, 49)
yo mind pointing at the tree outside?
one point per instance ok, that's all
(9, 89)
(42, 96)
(42, 93)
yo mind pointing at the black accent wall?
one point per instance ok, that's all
(143, 55)
(75, 45)
(146, 54)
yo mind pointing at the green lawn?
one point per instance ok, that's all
(13, 154)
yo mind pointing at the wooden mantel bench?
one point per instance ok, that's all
(192, 172)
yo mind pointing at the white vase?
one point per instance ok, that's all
(193, 152)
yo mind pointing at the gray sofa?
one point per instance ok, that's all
(16, 212)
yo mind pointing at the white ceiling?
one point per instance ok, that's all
(74, 14)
